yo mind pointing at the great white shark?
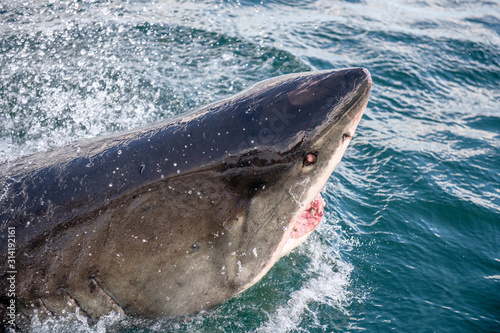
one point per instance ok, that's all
(176, 217)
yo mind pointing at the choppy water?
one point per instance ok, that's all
(411, 238)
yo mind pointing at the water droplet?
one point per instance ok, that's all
(119, 151)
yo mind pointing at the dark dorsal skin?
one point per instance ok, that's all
(176, 217)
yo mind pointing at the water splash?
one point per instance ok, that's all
(328, 284)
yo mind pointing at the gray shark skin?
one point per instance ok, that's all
(176, 217)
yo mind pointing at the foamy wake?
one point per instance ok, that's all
(74, 322)
(328, 288)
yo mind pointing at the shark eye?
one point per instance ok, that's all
(310, 159)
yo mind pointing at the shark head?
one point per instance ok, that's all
(297, 128)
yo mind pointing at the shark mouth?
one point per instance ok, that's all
(309, 219)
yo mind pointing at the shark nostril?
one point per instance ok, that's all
(310, 159)
(346, 136)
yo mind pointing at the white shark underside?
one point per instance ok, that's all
(177, 217)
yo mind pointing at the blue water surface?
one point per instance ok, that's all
(410, 241)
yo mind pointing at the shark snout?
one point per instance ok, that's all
(359, 77)
(359, 82)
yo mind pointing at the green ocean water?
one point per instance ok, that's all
(410, 241)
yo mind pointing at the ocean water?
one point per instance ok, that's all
(410, 241)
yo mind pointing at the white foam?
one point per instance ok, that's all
(329, 285)
(74, 322)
